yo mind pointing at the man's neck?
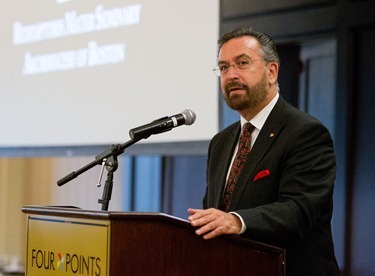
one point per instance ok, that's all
(250, 113)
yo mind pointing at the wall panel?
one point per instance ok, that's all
(363, 204)
(236, 8)
(288, 25)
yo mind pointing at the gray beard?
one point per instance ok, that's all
(253, 96)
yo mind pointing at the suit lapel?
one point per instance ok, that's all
(266, 137)
(227, 147)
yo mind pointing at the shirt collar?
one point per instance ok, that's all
(259, 119)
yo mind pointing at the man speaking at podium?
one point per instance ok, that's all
(270, 176)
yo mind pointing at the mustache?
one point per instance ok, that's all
(235, 85)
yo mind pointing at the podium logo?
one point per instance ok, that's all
(69, 263)
(61, 261)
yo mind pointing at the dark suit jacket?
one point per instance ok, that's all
(284, 193)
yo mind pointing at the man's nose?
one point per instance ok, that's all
(232, 71)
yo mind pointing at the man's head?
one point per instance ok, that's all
(268, 49)
(248, 63)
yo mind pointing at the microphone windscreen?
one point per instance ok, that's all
(189, 116)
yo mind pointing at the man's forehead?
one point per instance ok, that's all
(239, 46)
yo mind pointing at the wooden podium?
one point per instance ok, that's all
(72, 241)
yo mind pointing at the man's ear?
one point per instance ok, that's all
(272, 72)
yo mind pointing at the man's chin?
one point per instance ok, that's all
(236, 104)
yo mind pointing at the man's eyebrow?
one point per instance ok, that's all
(241, 56)
(236, 58)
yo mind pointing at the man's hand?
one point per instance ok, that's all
(213, 222)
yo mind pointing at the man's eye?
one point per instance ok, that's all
(223, 68)
(243, 63)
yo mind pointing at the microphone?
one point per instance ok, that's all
(186, 117)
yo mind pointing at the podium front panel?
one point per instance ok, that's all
(71, 241)
(67, 246)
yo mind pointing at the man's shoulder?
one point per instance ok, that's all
(229, 130)
(225, 136)
(290, 113)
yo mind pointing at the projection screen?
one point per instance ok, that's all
(81, 73)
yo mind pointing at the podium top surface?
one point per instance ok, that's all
(75, 212)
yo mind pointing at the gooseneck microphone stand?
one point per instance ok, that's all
(107, 159)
